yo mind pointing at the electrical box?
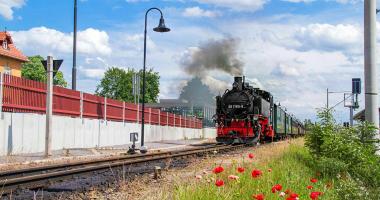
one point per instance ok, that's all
(356, 86)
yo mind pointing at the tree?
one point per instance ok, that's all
(34, 70)
(117, 84)
(197, 93)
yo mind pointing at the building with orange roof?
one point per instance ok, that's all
(11, 58)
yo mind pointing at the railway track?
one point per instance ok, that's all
(42, 176)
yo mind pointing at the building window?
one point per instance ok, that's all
(5, 44)
(7, 70)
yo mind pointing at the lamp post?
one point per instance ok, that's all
(160, 28)
(74, 70)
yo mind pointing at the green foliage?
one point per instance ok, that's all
(34, 70)
(345, 152)
(117, 84)
(287, 170)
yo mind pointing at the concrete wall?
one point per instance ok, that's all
(25, 133)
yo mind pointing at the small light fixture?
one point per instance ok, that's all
(161, 28)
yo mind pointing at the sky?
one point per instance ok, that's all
(293, 48)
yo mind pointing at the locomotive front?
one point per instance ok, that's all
(242, 114)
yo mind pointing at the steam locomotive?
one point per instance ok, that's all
(247, 115)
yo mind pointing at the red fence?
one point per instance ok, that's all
(22, 95)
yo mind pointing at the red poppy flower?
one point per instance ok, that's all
(251, 156)
(258, 197)
(313, 180)
(270, 170)
(293, 195)
(240, 169)
(256, 173)
(219, 183)
(218, 170)
(277, 187)
(309, 187)
(315, 195)
(291, 198)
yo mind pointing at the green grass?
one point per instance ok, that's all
(289, 170)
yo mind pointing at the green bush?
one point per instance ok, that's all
(345, 152)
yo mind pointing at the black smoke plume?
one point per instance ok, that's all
(218, 55)
(213, 55)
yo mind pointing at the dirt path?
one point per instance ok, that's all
(146, 188)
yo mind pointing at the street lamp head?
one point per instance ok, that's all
(161, 26)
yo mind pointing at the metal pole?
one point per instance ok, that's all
(351, 116)
(49, 106)
(143, 89)
(144, 66)
(327, 100)
(74, 71)
(370, 71)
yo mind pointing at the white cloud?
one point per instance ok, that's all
(7, 6)
(246, 5)
(92, 73)
(285, 70)
(50, 41)
(326, 37)
(199, 12)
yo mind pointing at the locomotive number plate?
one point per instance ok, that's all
(235, 106)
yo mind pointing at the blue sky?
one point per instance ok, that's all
(293, 48)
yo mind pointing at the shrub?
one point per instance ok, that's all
(351, 152)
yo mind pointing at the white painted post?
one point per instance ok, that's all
(123, 112)
(1, 93)
(370, 68)
(105, 108)
(49, 106)
(81, 105)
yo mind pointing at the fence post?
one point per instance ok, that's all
(81, 105)
(49, 105)
(105, 108)
(123, 112)
(138, 113)
(159, 117)
(150, 115)
(1, 93)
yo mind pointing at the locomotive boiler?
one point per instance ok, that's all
(247, 115)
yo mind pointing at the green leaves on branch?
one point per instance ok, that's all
(348, 153)
(34, 70)
(117, 84)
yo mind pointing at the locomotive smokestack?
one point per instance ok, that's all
(238, 84)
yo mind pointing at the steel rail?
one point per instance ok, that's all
(36, 177)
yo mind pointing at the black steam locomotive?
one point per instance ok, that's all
(246, 114)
